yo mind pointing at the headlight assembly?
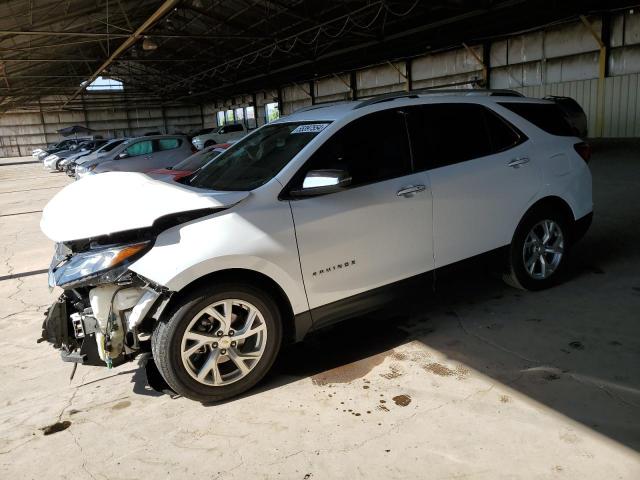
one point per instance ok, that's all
(94, 267)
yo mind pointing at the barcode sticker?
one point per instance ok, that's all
(310, 128)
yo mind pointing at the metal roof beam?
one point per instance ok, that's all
(163, 10)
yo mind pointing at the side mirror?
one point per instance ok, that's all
(122, 155)
(73, 147)
(321, 182)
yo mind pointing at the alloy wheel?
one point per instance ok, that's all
(543, 249)
(224, 342)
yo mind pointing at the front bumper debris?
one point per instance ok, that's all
(74, 334)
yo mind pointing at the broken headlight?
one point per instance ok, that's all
(93, 267)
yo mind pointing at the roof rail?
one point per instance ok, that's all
(433, 91)
(318, 105)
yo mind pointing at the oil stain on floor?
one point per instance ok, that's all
(56, 427)
(402, 400)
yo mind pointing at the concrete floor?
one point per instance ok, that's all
(476, 381)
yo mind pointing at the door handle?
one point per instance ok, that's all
(409, 190)
(516, 162)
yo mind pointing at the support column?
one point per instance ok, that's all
(602, 39)
(280, 102)
(353, 81)
(44, 127)
(164, 119)
(312, 92)
(254, 100)
(486, 60)
(407, 69)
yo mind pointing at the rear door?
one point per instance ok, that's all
(370, 234)
(482, 175)
(139, 156)
(166, 153)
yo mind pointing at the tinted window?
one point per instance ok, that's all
(502, 134)
(233, 128)
(168, 143)
(141, 148)
(448, 133)
(548, 117)
(371, 149)
(257, 158)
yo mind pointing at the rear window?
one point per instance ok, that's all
(548, 117)
(168, 143)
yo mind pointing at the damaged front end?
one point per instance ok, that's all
(106, 313)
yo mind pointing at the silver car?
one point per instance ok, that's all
(140, 154)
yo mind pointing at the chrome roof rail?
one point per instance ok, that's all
(433, 91)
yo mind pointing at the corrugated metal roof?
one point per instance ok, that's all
(219, 48)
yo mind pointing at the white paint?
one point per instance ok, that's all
(115, 202)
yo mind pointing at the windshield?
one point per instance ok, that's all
(256, 159)
(111, 145)
(197, 160)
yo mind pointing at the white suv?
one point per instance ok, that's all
(222, 134)
(309, 220)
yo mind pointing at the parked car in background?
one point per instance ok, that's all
(574, 114)
(311, 219)
(70, 167)
(220, 135)
(53, 161)
(68, 144)
(190, 164)
(84, 149)
(140, 154)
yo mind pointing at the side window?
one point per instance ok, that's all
(447, 133)
(234, 128)
(144, 147)
(168, 143)
(372, 148)
(502, 134)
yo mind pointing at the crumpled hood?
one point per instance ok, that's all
(119, 201)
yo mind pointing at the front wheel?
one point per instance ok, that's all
(537, 254)
(219, 342)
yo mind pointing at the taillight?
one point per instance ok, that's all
(584, 150)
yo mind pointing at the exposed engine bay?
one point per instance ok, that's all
(107, 312)
(102, 325)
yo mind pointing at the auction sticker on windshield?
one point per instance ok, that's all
(310, 128)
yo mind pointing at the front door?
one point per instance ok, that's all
(375, 232)
(139, 156)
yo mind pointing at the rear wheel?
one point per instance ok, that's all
(537, 255)
(219, 342)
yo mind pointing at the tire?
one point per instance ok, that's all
(537, 256)
(226, 378)
(208, 143)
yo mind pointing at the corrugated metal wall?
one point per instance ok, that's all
(621, 101)
(20, 132)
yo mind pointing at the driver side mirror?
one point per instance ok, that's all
(321, 182)
(122, 155)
